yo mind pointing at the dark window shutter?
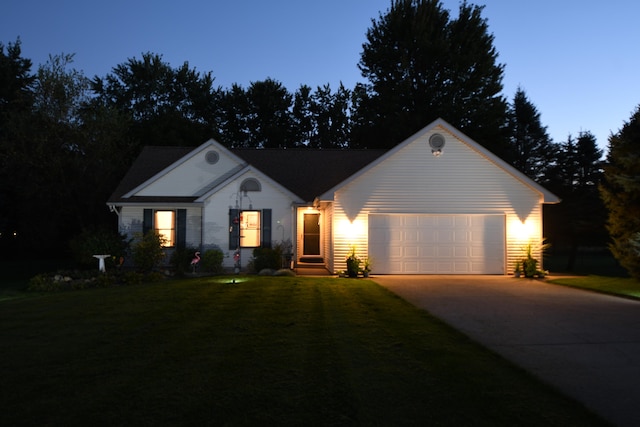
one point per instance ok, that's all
(234, 228)
(147, 221)
(266, 228)
(181, 229)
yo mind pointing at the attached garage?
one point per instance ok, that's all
(437, 244)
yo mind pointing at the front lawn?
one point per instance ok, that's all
(263, 351)
(620, 286)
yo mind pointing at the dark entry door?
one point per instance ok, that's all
(311, 244)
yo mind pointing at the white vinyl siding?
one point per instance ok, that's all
(216, 214)
(413, 181)
(131, 218)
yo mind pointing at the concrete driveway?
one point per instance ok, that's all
(586, 344)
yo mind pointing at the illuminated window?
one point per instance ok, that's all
(250, 229)
(165, 225)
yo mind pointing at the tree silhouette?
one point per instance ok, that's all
(420, 65)
(620, 192)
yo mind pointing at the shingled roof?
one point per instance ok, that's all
(307, 173)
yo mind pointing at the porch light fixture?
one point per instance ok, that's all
(436, 142)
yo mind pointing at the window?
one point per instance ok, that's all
(250, 229)
(165, 225)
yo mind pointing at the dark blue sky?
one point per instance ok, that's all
(578, 61)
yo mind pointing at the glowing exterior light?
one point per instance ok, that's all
(521, 231)
(351, 230)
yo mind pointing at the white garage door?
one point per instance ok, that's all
(437, 244)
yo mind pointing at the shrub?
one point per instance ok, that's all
(181, 260)
(96, 242)
(212, 261)
(43, 283)
(266, 258)
(148, 251)
(132, 278)
(270, 258)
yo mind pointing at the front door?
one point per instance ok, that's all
(311, 234)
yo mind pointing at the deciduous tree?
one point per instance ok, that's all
(270, 118)
(168, 106)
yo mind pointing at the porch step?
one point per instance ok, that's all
(311, 260)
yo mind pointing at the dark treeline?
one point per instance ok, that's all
(68, 139)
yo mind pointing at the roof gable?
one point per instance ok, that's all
(191, 174)
(307, 173)
(443, 126)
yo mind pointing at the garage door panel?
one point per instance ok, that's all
(411, 235)
(410, 221)
(461, 252)
(427, 252)
(411, 252)
(445, 268)
(428, 236)
(437, 244)
(462, 268)
(444, 236)
(461, 236)
(394, 235)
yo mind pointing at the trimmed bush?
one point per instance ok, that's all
(148, 251)
(181, 260)
(211, 261)
(97, 242)
(266, 258)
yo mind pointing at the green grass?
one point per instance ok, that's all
(620, 286)
(264, 351)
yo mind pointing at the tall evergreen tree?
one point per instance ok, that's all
(574, 176)
(15, 80)
(588, 161)
(420, 65)
(531, 148)
(620, 192)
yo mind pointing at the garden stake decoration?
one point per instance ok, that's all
(195, 261)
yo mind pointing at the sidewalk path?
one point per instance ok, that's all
(586, 344)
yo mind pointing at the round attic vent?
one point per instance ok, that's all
(212, 157)
(436, 142)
